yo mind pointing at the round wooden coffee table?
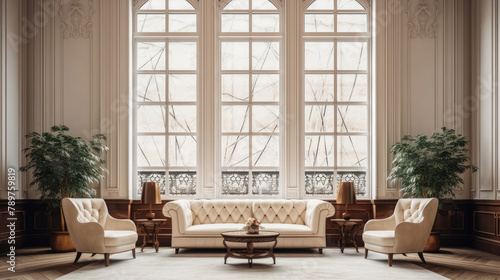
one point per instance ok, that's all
(250, 239)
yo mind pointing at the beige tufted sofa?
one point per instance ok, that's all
(94, 231)
(199, 223)
(406, 231)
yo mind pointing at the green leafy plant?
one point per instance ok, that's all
(63, 165)
(430, 167)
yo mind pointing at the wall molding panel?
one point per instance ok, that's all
(76, 20)
(422, 18)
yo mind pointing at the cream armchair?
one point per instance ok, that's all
(94, 231)
(406, 231)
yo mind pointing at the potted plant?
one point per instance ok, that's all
(431, 167)
(63, 166)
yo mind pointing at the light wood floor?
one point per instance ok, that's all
(453, 263)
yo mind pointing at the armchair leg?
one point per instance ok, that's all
(321, 251)
(177, 250)
(390, 259)
(106, 259)
(78, 255)
(366, 253)
(133, 253)
(421, 255)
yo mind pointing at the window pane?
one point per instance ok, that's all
(265, 150)
(151, 56)
(235, 87)
(182, 87)
(154, 5)
(352, 118)
(352, 22)
(319, 183)
(319, 56)
(234, 183)
(182, 118)
(319, 87)
(349, 5)
(235, 22)
(352, 87)
(266, 55)
(319, 151)
(263, 5)
(151, 118)
(235, 151)
(182, 22)
(151, 23)
(266, 87)
(319, 118)
(150, 87)
(352, 56)
(319, 23)
(235, 118)
(321, 5)
(237, 5)
(182, 56)
(179, 5)
(182, 183)
(265, 183)
(265, 22)
(352, 151)
(265, 118)
(235, 55)
(181, 151)
(151, 151)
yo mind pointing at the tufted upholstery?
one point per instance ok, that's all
(93, 230)
(198, 223)
(406, 231)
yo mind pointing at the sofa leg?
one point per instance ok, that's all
(78, 255)
(177, 250)
(93, 254)
(133, 253)
(366, 253)
(390, 258)
(404, 254)
(106, 259)
(421, 255)
(321, 251)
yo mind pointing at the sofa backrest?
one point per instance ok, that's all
(280, 211)
(415, 210)
(220, 211)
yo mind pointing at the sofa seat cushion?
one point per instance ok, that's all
(113, 238)
(212, 229)
(383, 238)
(289, 229)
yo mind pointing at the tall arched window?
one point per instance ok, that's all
(250, 42)
(336, 95)
(166, 68)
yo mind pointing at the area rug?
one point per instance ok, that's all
(290, 264)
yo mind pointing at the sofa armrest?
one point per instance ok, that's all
(119, 224)
(88, 237)
(180, 213)
(316, 213)
(381, 224)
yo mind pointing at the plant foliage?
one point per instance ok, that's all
(430, 167)
(63, 165)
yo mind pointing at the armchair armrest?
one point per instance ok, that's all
(87, 237)
(119, 224)
(381, 224)
(316, 213)
(180, 213)
(410, 237)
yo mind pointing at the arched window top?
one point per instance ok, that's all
(239, 5)
(161, 16)
(337, 5)
(166, 5)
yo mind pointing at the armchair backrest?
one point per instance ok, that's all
(85, 210)
(415, 210)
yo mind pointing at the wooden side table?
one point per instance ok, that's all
(150, 237)
(348, 231)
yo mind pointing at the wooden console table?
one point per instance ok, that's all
(249, 239)
(348, 231)
(150, 237)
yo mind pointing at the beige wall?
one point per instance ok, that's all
(423, 81)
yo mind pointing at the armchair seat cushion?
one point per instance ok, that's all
(113, 238)
(212, 229)
(384, 238)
